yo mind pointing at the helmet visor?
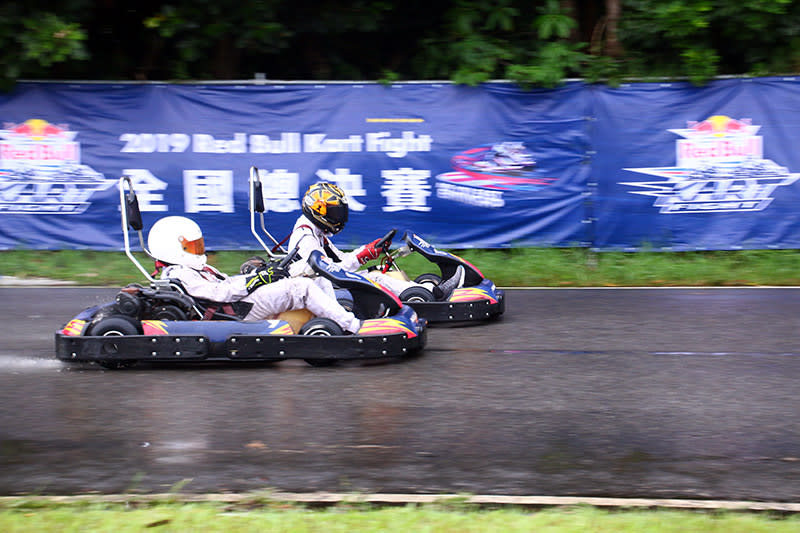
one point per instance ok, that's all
(337, 217)
(195, 247)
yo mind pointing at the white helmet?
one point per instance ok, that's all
(177, 241)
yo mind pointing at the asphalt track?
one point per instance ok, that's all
(642, 393)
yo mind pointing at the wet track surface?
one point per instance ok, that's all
(647, 393)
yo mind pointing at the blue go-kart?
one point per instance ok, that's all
(162, 323)
(477, 301)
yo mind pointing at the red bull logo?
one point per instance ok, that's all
(39, 153)
(41, 170)
(720, 126)
(719, 138)
(38, 129)
(37, 142)
(720, 168)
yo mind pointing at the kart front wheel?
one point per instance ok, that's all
(321, 327)
(429, 281)
(114, 326)
(417, 294)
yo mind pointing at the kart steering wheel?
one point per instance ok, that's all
(383, 245)
(386, 240)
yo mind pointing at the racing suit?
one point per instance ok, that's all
(309, 238)
(267, 300)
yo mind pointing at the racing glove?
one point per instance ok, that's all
(369, 252)
(264, 276)
(254, 263)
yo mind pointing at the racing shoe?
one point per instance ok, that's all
(445, 289)
(355, 325)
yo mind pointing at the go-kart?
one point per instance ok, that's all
(162, 323)
(477, 300)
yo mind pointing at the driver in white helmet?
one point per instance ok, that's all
(177, 244)
(325, 213)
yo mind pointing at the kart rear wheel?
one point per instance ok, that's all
(417, 294)
(114, 326)
(429, 281)
(321, 327)
(168, 312)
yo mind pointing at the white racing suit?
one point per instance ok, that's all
(309, 238)
(267, 301)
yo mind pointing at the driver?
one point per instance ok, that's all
(325, 213)
(177, 244)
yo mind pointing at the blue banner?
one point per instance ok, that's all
(488, 167)
(663, 166)
(684, 168)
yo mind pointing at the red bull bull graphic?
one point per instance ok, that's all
(483, 174)
(719, 168)
(41, 170)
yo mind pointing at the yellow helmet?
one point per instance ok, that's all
(325, 204)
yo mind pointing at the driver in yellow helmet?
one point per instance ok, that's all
(325, 213)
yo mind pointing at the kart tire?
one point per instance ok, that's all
(114, 326)
(346, 302)
(417, 294)
(429, 281)
(168, 312)
(324, 327)
(321, 327)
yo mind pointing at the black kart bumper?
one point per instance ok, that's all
(460, 312)
(197, 348)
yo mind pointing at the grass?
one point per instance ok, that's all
(275, 517)
(550, 267)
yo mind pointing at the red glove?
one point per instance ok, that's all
(369, 252)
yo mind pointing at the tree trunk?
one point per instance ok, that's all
(613, 47)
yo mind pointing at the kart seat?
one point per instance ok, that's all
(173, 292)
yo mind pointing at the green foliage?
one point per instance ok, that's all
(551, 65)
(31, 41)
(699, 39)
(536, 43)
(555, 58)
(701, 64)
(199, 31)
(553, 22)
(47, 39)
(603, 68)
(478, 58)
(388, 77)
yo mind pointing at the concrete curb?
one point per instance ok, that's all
(11, 281)
(330, 498)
